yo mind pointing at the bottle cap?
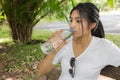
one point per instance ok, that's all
(71, 30)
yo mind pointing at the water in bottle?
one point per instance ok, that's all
(53, 43)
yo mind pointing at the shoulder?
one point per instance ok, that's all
(106, 44)
(103, 41)
(103, 44)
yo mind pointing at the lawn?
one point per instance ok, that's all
(20, 61)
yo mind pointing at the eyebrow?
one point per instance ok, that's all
(75, 17)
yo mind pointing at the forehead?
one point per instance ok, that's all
(78, 16)
(75, 14)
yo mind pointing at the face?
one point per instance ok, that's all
(80, 25)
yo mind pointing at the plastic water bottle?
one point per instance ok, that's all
(53, 43)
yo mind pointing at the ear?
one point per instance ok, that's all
(93, 25)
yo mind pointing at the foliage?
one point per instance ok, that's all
(22, 15)
(2, 18)
(111, 3)
(103, 5)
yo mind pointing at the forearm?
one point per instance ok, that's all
(46, 64)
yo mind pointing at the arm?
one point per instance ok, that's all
(46, 65)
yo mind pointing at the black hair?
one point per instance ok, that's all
(91, 13)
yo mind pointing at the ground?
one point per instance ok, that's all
(111, 72)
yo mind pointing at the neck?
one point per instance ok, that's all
(82, 41)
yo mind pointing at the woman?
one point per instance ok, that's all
(86, 53)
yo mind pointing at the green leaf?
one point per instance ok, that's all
(111, 3)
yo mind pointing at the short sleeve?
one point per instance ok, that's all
(114, 55)
(58, 56)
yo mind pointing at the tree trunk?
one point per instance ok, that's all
(20, 34)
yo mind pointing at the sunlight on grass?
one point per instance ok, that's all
(115, 38)
(4, 40)
(41, 34)
(4, 31)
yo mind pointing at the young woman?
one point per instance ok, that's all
(86, 53)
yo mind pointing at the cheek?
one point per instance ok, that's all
(84, 30)
(78, 31)
(86, 27)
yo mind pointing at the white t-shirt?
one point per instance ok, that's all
(88, 65)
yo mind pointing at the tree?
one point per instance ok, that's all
(111, 3)
(100, 3)
(22, 15)
(2, 16)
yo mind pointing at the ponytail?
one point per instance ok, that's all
(99, 31)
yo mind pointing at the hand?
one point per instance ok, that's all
(59, 47)
(56, 38)
(57, 41)
(56, 34)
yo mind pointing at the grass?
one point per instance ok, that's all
(41, 34)
(22, 60)
(5, 34)
(4, 31)
(17, 59)
(115, 38)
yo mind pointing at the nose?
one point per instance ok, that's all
(72, 24)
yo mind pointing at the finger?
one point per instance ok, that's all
(51, 36)
(59, 32)
(55, 34)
